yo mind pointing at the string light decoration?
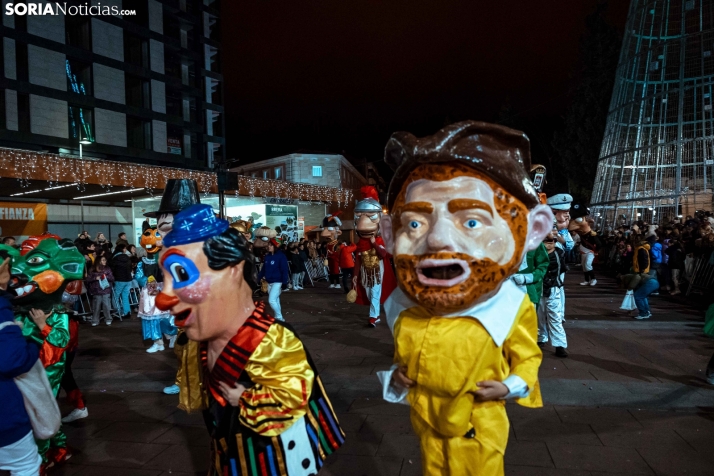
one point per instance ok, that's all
(26, 165)
(251, 186)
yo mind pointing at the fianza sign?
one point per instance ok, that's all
(22, 219)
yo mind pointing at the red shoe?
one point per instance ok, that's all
(373, 321)
(57, 456)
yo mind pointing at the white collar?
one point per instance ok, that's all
(496, 315)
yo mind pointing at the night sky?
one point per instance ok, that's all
(341, 75)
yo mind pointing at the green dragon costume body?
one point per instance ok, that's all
(41, 270)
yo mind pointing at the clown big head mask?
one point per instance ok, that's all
(463, 213)
(42, 270)
(368, 213)
(208, 271)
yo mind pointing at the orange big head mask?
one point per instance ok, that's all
(151, 240)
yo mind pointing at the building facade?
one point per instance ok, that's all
(143, 88)
(331, 170)
(657, 156)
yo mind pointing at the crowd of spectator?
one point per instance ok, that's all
(673, 247)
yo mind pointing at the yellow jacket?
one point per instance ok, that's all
(447, 355)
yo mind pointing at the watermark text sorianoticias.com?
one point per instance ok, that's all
(58, 8)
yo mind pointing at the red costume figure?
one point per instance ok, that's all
(330, 231)
(374, 277)
(347, 265)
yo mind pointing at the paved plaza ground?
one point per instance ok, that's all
(631, 399)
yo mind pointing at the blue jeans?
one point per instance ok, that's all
(121, 289)
(641, 293)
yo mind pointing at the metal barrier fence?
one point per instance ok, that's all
(316, 269)
(701, 278)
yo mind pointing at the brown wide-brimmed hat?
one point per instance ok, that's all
(498, 152)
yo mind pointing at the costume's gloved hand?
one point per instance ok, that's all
(522, 279)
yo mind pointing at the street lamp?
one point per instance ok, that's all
(83, 141)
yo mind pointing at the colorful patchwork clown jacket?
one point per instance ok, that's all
(284, 424)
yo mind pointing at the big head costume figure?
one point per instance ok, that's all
(589, 242)
(263, 235)
(331, 225)
(244, 228)
(41, 271)
(463, 213)
(330, 232)
(155, 323)
(265, 398)
(178, 194)
(374, 278)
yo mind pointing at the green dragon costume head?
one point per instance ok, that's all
(41, 270)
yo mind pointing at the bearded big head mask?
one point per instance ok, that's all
(463, 213)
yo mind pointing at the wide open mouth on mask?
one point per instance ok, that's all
(22, 291)
(20, 286)
(181, 317)
(443, 272)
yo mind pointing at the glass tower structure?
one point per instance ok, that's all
(657, 155)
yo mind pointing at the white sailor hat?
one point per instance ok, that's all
(561, 201)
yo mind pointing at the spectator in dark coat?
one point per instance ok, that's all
(297, 266)
(121, 268)
(101, 296)
(675, 263)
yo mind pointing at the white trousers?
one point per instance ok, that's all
(586, 259)
(374, 294)
(297, 279)
(274, 290)
(21, 458)
(551, 315)
(562, 295)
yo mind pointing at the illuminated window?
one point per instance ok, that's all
(81, 124)
(79, 77)
(317, 170)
